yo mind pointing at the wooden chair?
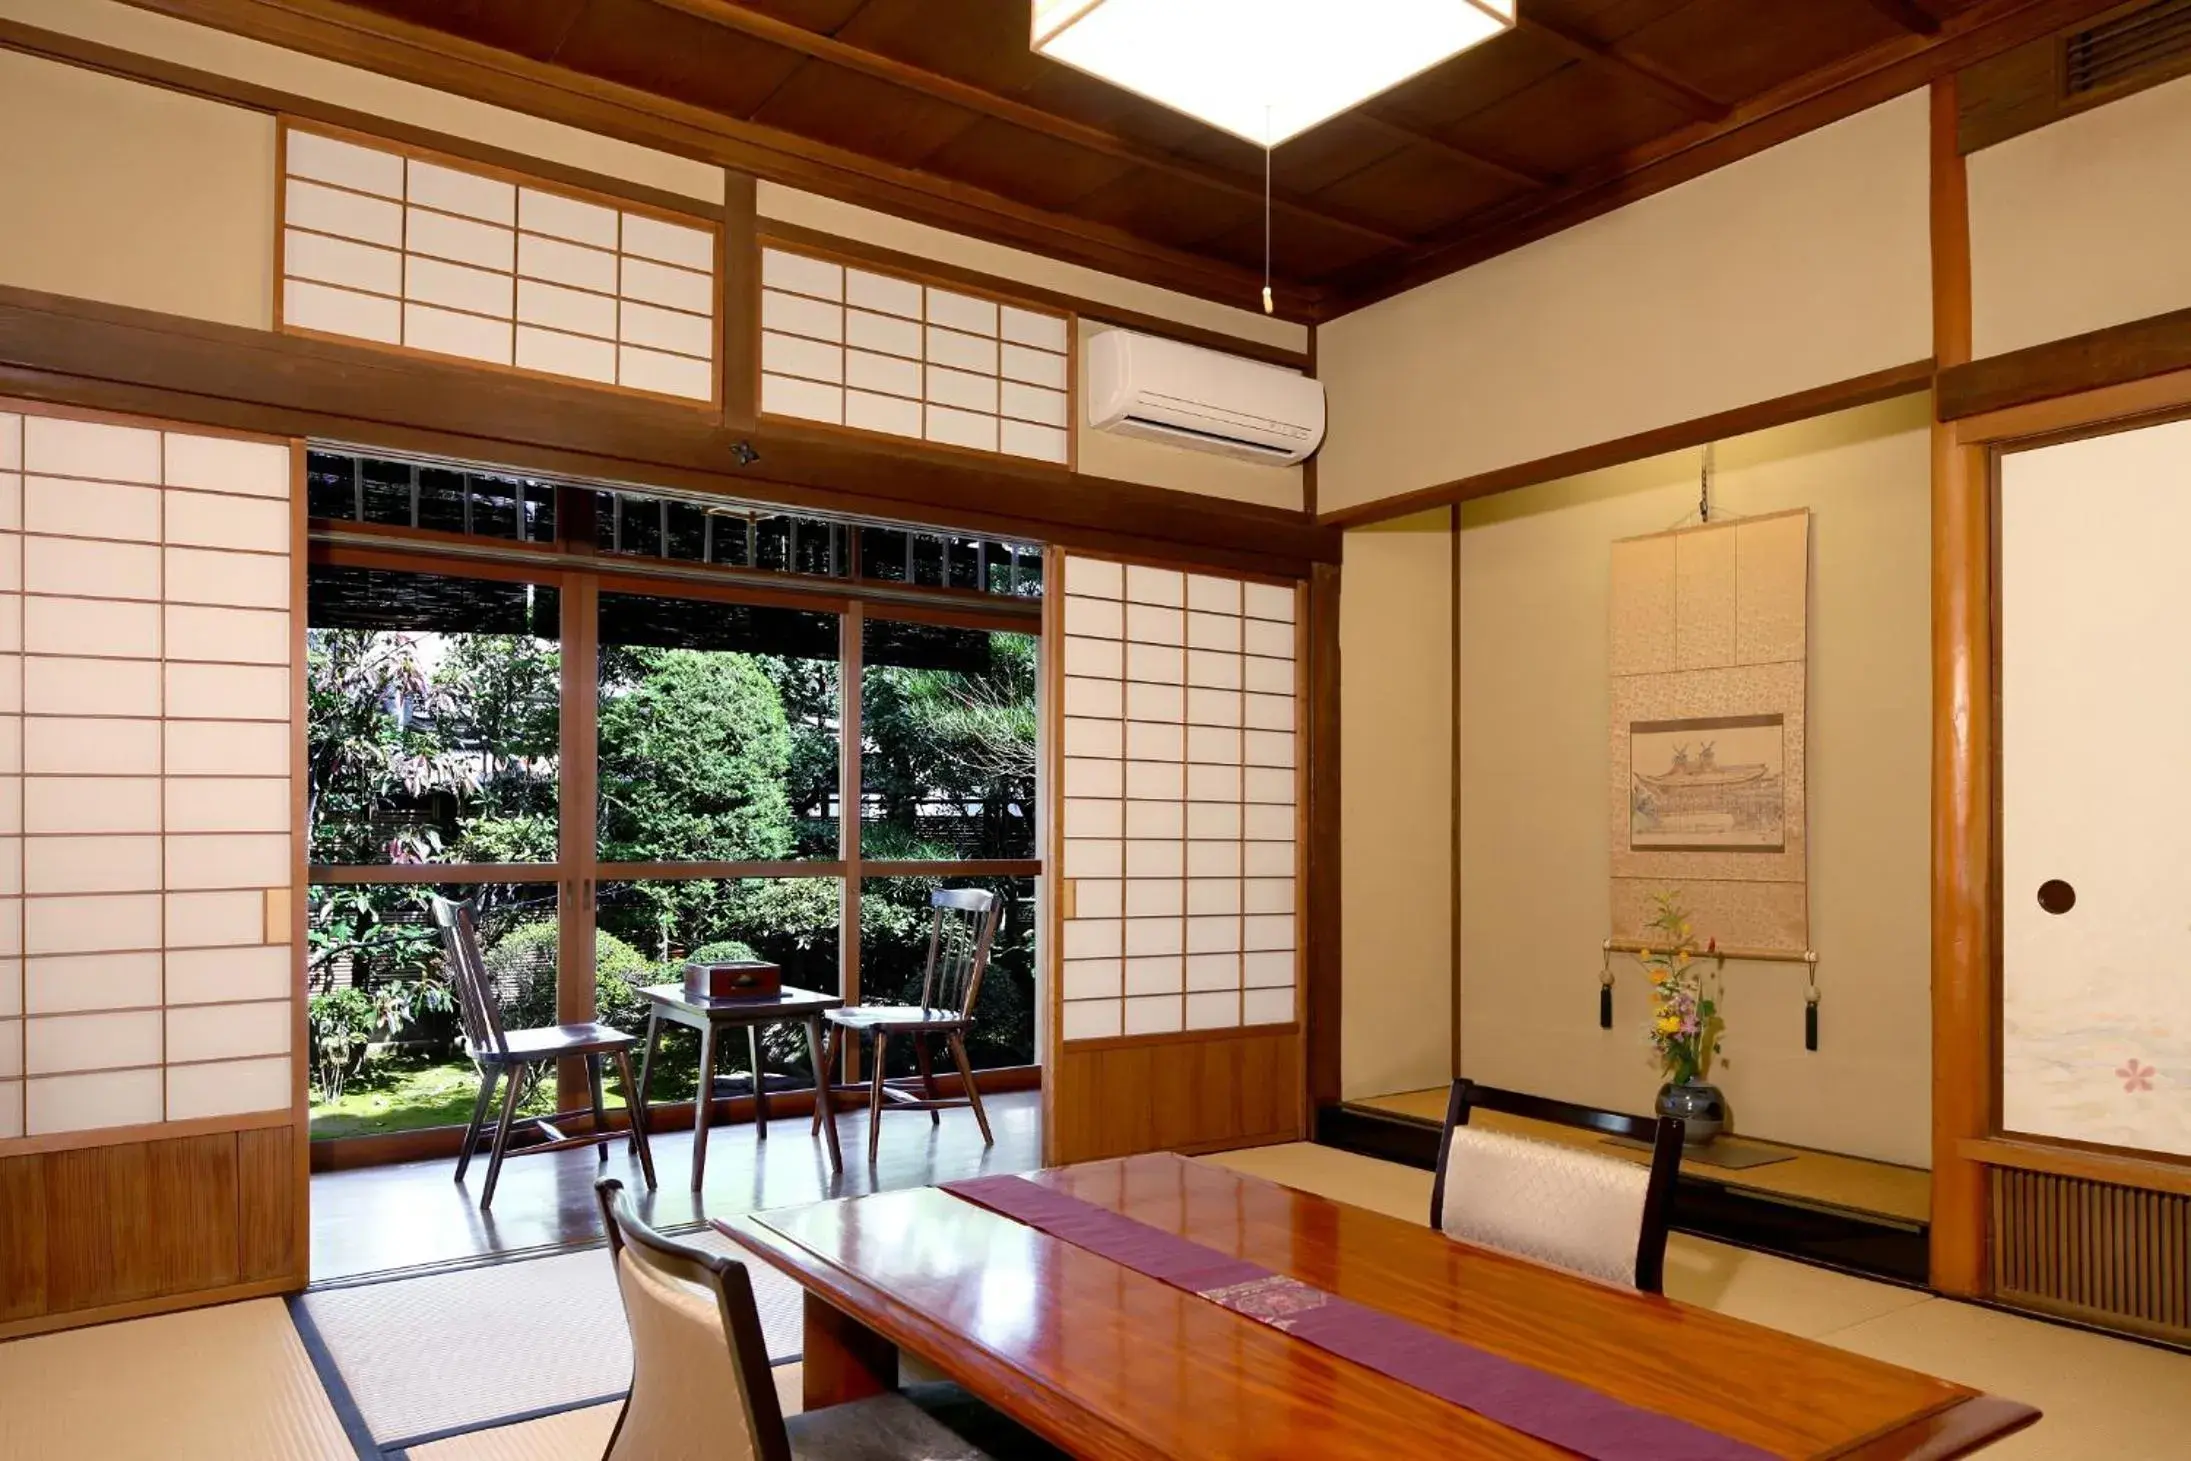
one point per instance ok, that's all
(507, 1055)
(1599, 1215)
(958, 954)
(700, 1381)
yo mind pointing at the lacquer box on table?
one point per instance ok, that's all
(733, 979)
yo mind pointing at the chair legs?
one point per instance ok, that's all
(487, 1079)
(637, 1110)
(973, 1092)
(832, 1049)
(514, 1083)
(510, 1089)
(825, 1117)
(928, 1075)
(827, 1063)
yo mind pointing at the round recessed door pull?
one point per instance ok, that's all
(2056, 896)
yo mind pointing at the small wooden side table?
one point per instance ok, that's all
(669, 1002)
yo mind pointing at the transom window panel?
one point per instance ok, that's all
(146, 807)
(870, 350)
(1180, 782)
(402, 248)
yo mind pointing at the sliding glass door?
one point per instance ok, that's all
(617, 723)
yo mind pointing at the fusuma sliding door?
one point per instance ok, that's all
(2096, 790)
(2095, 1029)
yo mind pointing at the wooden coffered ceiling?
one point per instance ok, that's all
(938, 110)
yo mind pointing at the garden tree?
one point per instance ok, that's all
(423, 748)
(938, 743)
(808, 690)
(695, 752)
(374, 707)
(507, 715)
(694, 755)
(444, 748)
(935, 739)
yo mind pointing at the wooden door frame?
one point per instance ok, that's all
(1967, 893)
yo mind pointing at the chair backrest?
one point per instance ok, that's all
(958, 948)
(1595, 1214)
(477, 1007)
(700, 1383)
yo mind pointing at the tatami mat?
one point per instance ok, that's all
(230, 1383)
(575, 1435)
(2102, 1397)
(423, 1358)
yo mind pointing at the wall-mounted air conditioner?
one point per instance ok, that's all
(1161, 390)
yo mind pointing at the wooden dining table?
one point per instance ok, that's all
(1109, 1362)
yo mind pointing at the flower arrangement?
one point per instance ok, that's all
(1685, 1023)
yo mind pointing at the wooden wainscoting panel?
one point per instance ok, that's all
(124, 1223)
(2119, 1257)
(22, 1238)
(1205, 1093)
(191, 1230)
(268, 1233)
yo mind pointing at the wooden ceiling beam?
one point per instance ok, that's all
(816, 46)
(1647, 74)
(112, 356)
(1490, 166)
(1909, 15)
(337, 31)
(1839, 89)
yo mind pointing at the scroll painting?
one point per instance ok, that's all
(1709, 638)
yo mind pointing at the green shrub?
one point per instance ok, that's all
(524, 960)
(724, 951)
(341, 1023)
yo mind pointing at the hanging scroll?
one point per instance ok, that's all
(1708, 643)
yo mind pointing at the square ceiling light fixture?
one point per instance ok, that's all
(1264, 70)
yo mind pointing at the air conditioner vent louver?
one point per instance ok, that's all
(2129, 48)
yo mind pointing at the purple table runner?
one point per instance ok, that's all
(1548, 1407)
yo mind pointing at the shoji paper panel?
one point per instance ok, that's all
(11, 775)
(431, 254)
(145, 600)
(875, 351)
(1179, 786)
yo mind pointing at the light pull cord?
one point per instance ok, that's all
(1269, 305)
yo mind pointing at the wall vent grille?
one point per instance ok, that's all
(2108, 1255)
(2137, 48)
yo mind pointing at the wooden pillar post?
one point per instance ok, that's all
(1321, 893)
(579, 704)
(1963, 832)
(851, 659)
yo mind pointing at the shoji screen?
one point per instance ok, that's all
(1178, 771)
(874, 351)
(146, 956)
(428, 253)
